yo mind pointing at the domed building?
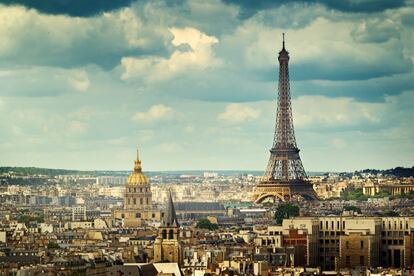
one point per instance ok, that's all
(137, 200)
(138, 194)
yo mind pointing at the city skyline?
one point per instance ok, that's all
(82, 88)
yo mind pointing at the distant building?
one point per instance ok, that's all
(210, 175)
(111, 180)
(137, 199)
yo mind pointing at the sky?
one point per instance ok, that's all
(193, 84)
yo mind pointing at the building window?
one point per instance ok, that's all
(343, 225)
(147, 200)
(141, 201)
(347, 244)
(164, 234)
(348, 261)
(138, 215)
(362, 244)
(321, 224)
(135, 201)
(171, 234)
(326, 225)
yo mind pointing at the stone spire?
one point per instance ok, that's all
(170, 217)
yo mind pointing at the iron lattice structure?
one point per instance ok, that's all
(284, 175)
(284, 163)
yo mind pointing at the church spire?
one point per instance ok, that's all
(170, 217)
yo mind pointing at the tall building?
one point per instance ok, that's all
(138, 194)
(137, 199)
(167, 246)
(285, 176)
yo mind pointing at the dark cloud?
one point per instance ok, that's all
(248, 8)
(80, 8)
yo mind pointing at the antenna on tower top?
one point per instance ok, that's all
(283, 35)
(137, 154)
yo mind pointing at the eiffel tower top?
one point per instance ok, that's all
(283, 54)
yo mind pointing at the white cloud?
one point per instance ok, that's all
(331, 112)
(65, 40)
(79, 80)
(155, 113)
(238, 113)
(324, 49)
(199, 57)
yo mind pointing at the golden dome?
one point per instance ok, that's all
(137, 178)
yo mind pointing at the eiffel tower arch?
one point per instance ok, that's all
(285, 176)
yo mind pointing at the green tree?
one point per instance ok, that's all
(27, 219)
(206, 224)
(353, 194)
(391, 213)
(382, 194)
(53, 245)
(353, 208)
(286, 210)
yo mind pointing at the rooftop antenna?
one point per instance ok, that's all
(283, 35)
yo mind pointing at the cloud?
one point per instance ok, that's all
(157, 112)
(80, 81)
(249, 8)
(71, 7)
(324, 112)
(376, 30)
(322, 50)
(43, 81)
(351, 82)
(200, 56)
(57, 40)
(238, 113)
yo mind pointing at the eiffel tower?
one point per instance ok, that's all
(285, 176)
